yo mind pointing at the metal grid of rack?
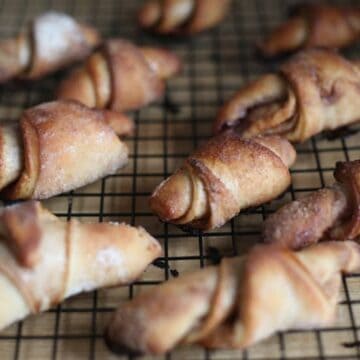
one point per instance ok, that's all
(217, 63)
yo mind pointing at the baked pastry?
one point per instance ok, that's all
(330, 213)
(55, 147)
(121, 76)
(314, 25)
(238, 303)
(182, 17)
(45, 260)
(50, 42)
(315, 90)
(222, 177)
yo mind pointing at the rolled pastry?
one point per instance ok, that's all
(121, 76)
(315, 90)
(50, 42)
(314, 25)
(238, 303)
(59, 146)
(330, 213)
(182, 17)
(44, 260)
(222, 177)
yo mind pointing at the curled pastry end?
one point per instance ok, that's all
(172, 198)
(116, 339)
(280, 146)
(120, 123)
(182, 17)
(149, 14)
(257, 108)
(286, 38)
(92, 36)
(20, 230)
(163, 62)
(14, 57)
(78, 86)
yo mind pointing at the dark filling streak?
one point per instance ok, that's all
(243, 122)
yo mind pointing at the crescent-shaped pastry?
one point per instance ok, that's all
(238, 303)
(315, 90)
(44, 260)
(182, 17)
(314, 25)
(222, 177)
(50, 42)
(121, 76)
(330, 213)
(57, 147)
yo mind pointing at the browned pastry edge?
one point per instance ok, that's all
(24, 186)
(121, 76)
(21, 232)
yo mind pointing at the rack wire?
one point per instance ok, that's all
(217, 63)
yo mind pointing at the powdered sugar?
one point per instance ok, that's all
(109, 257)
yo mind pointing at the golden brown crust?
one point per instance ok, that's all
(123, 58)
(24, 185)
(182, 17)
(52, 41)
(314, 25)
(62, 141)
(222, 177)
(120, 123)
(331, 212)
(315, 90)
(121, 76)
(238, 303)
(14, 57)
(66, 258)
(307, 220)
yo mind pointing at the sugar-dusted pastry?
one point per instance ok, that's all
(57, 147)
(121, 76)
(222, 177)
(44, 260)
(331, 213)
(315, 90)
(314, 25)
(50, 42)
(182, 17)
(238, 303)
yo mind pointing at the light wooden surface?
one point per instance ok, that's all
(216, 64)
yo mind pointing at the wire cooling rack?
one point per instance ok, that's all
(217, 63)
